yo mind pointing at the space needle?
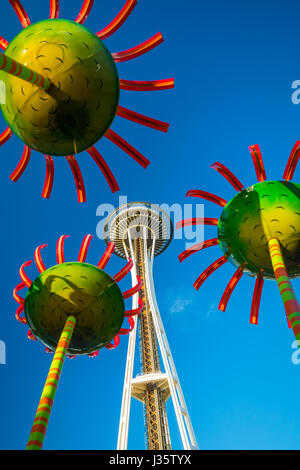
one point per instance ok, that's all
(141, 231)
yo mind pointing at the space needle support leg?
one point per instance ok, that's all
(126, 398)
(40, 423)
(291, 305)
(187, 434)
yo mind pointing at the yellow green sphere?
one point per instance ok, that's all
(78, 289)
(266, 210)
(80, 106)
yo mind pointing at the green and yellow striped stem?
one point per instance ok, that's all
(42, 416)
(291, 305)
(17, 69)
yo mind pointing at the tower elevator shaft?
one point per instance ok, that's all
(141, 231)
(157, 429)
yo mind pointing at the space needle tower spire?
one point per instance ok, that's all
(141, 231)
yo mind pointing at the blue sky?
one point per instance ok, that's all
(234, 64)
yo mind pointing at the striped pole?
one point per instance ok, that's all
(17, 69)
(40, 423)
(291, 305)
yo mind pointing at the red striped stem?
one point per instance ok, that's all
(289, 299)
(40, 423)
(15, 68)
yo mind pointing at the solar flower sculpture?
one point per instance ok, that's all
(62, 91)
(74, 308)
(258, 232)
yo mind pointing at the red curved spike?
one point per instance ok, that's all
(85, 11)
(77, 177)
(24, 276)
(3, 43)
(5, 135)
(135, 311)
(21, 13)
(258, 163)
(84, 248)
(149, 85)
(49, 177)
(19, 311)
(127, 148)
(141, 119)
(138, 50)
(124, 271)
(94, 354)
(31, 336)
(118, 20)
(230, 288)
(106, 255)
(224, 171)
(208, 271)
(292, 162)
(54, 9)
(38, 259)
(22, 164)
(197, 247)
(17, 297)
(104, 168)
(133, 290)
(115, 344)
(208, 196)
(125, 331)
(60, 249)
(197, 221)
(256, 298)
